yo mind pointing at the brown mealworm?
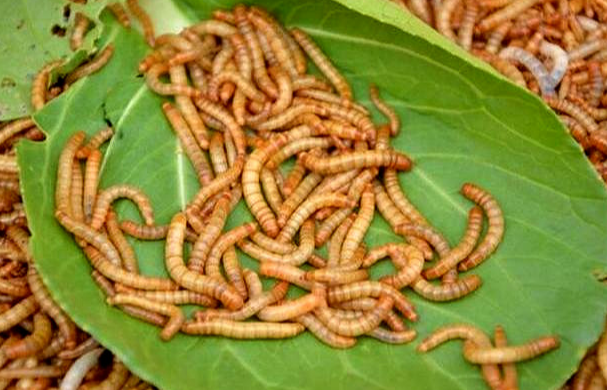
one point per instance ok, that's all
(271, 190)
(15, 127)
(585, 371)
(503, 66)
(254, 286)
(176, 316)
(337, 276)
(79, 350)
(217, 154)
(144, 20)
(318, 329)
(372, 289)
(278, 47)
(64, 172)
(76, 192)
(152, 78)
(8, 164)
(466, 27)
(323, 63)
(178, 76)
(91, 183)
(495, 230)
(127, 254)
(66, 327)
(408, 260)
(393, 337)
(463, 249)
(285, 90)
(243, 330)
(107, 196)
(286, 272)
(118, 376)
(18, 313)
(40, 371)
(117, 9)
(230, 238)
(272, 245)
(12, 289)
(427, 233)
(40, 84)
(144, 232)
(510, 354)
(446, 292)
(359, 227)
(394, 322)
(310, 81)
(574, 111)
(399, 198)
(35, 342)
(357, 326)
(293, 178)
(291, 309)
(233, 271)
(189, 279)
(98, 139)
(355, 160)
(81, 24)
(510, 381)
(297, 146)
(244, 85)
(92, 66)
(385, 109)
(337, 240)
(20, 237)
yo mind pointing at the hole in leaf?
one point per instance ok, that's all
(66, 12)
(58, 30)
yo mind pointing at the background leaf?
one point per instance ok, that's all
(460, 124)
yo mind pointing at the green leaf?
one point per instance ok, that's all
(460, 124)
(33, 33)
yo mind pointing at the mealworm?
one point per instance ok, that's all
(309, 81)
(217, 154)
(81, 349)
(35, 342)
(254, 286)
(181, 297)
(293, 178)
(510, 375)
(272, 245)
(510, 11)
(271, 190)
(178, 77)
(92, 66)
(466, 28)
(286, 272)
(152, 78)
(40, 84)
(117, 377)
(574, 111)
(277, 44)
(443, 18)
(176, 316)
(371, 289)
(318, 329)
(127, 254)
(408, 260)
(291, 309)
(334, 182)
(510, 354)
(12, 289)
(120, 14)
(260, 74)
(323, 63)
(8, 164)
(210, 234)
(144, 232)
(189, 279)
(15, 127)
(230, 238)
(446, 292)
(463, 249)
(107, 196)
(243, 330)
(355, 160)
(144, 20)
(42, 371)
(393, 337)
(597, 86)
(307, 208)
(297, 196)
(233, 271)
(244, 85)
(535, 66)
(76, 192)
(81, 24)
(359, 227)
(585, 371)
(495, 231)
(385, 109)
(337, 240)
(197, 76)
(213, 27)
(64, 172)
(357, 326)
(394, 322)
(79, 368)
(66, 327)
(427, 233)
(98, 139)
(91, 183)
(560, 61)
(18, 313)
(586, 49)
(496, 37)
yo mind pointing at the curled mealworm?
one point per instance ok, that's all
(79, 368)
(446, 292)
(354, 327)
(144, 20)
(243, 330)
(117, 9)
(235, 77)
(408, 260)
(192, 280)
(92, 66)
(286, 272)
(355, 160)
(510, 11)
(127, 254)
(385, 109)
(227, 240)
(152, 79)
(64, 172)
(176, 316)
(40, 84)
(81, 24)
(535, 66)
(559, 59)
(426, 233)
(291, 309)
(35, 342)
(510, 375)
(325, 335)
(463, 249)
(107, 196)
(495, 231)
(510, 354)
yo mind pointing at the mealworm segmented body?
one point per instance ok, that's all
(318, 329)
(227, 240)
(446, 292)
(510, 375)
(355, 327)
(107, 196)
(243, 330)
(359, 227)
(92, 66)
(356, 160)
(64, 172)
(144, 19)
(35, 342)
(393, 337)
(120, 14)
(40, 84)
(510, 354)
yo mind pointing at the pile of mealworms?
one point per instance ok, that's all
(555, 48)
(242, 105)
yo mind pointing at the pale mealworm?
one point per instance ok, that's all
(586, 49)
(510, 354)
(495, 231)
(510, 11)
(463, 249)
(92, 66)
(79, 368)
(318, 329)
(357, 326)
(35, 342)
(560, 61)
(510, 381)
(446, 292)
(291, 309)
(64, 172)
(107, 196)
(535, 66)
(359, 227)
(271, 190)
(176, 316)
(81, 24)
(91, 183)
(355, 160)
(286, 272)
(243, 330)
(230, 238)
(120, 14)
(192, 280)
(393, 337)
(98, 139)
(127, 253)
(40, 84)
(144, 20)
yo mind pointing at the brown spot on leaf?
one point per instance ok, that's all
(7, 82)
(58, 30)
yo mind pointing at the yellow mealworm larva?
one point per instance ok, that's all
(355, 160)
(510, 354)
(293, 178)
(318, 329)
(260, 74)
(585, 371)
(337, 240)
(394, 322)
(211, 266)
(8, 164)
(213, 27)
(144, 232)
(408, 260)
(337, 276)
(272, 245)
(510, 11)
(244, 85)
(152, 78)
(120, 14)
(463, 249)
(397, 195)
(426, 233)
(66, 327)
(334, 182)
(254, 286)
(243, 330)
(495, 230)
(35, 342)
(40, 84)
(374, 289)
(358, 304)
(12, 289)
(18, 313)
(297, 146)
(356, 326)
(197, 76)
(385, 109)
(76, 192)
(118, 376)
(181, 297)
(20, 237)
(446, 292)
(144, 20)
(92, 66)
(176, 316)
(443, 18)
(271, 190)
(107, 196)
(291, 309)
(64, 172)
(233, 271)
(178, 76)
(326, 96)
(510, 375)
(127, 254)
(98, 139)
(466, 27)
(241, 55)
(307, 208)
(81, 24)
(275, 39)
(309, 81)
(192, 280)
(286, 272)
(359, 227)
(13, 128)
(393, 337)
(211, 232)
(91, 182)
(217, 154)
(323, 63)
(82, 348)
(285, 90)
